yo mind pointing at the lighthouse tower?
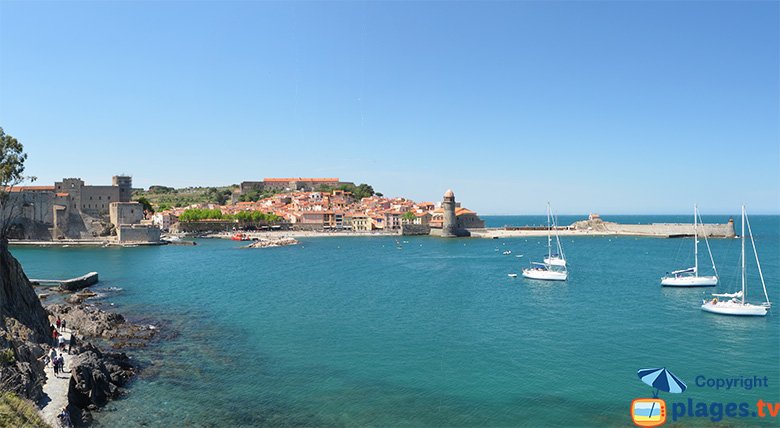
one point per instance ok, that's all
(450, 225)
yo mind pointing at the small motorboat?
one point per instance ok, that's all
(507, 252)
(512, 275)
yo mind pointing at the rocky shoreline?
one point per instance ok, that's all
(99, 373)
(99, 367)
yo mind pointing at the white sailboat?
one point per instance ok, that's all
(548, 271)
(557, 258)
(690, 277)
(737, 305)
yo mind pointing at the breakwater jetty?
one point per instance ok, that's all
(72, 284)
(598, 227)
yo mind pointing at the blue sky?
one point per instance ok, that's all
(610, 107)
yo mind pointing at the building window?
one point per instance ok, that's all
(100, 198)
(109, 197)
(90, 198)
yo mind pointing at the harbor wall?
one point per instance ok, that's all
(723, 230)
(415, 229)
(674, 229)
(140, 233)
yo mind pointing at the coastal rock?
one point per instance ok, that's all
(89, 320)
(97, 377)
(24, 327)
(269, 243)
(18, 300)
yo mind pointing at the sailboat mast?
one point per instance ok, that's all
(758, 263)
(549, 237)
(743, 254)
(695, 244)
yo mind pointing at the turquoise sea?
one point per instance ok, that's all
(357, 332)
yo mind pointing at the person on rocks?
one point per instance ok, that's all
(59, 322)
(45, 359)
(61, 342)
(55, 364)
(52, 354)
(63, 325)
(64, 418)
(71, 342)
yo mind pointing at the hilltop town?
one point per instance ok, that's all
(72, 210)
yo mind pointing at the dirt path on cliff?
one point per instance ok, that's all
(55, 389)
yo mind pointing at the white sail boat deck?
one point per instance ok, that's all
(690, 277)
(737, 304)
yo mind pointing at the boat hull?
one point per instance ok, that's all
(545, 275)
(736, 309)
(690, 281)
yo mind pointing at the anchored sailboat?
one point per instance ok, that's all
(554, 258)
(690, 277)
(737, 304)
(549, 271)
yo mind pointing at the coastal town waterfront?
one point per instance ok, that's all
(357, 331)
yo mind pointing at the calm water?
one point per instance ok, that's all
(353, 331)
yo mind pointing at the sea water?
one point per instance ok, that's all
(423, 331)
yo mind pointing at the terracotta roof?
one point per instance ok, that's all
(30, 189)
(287, 180)
(462, 211)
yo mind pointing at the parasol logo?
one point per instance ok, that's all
(651, 412)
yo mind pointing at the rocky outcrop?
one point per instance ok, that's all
(97, 377)
(18, 299)
(88, 320)
(270, 243)
(24, 327)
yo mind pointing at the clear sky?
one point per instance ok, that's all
(610, 107)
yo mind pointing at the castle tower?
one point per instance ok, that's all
(125, 184)
(450, 225)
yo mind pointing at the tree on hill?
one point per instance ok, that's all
(161, 189)
(358, 192)
(146, 204)
(12, 159)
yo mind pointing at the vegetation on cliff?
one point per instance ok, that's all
(18, 412)
(162, 198)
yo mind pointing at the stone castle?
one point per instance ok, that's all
(71, 209)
